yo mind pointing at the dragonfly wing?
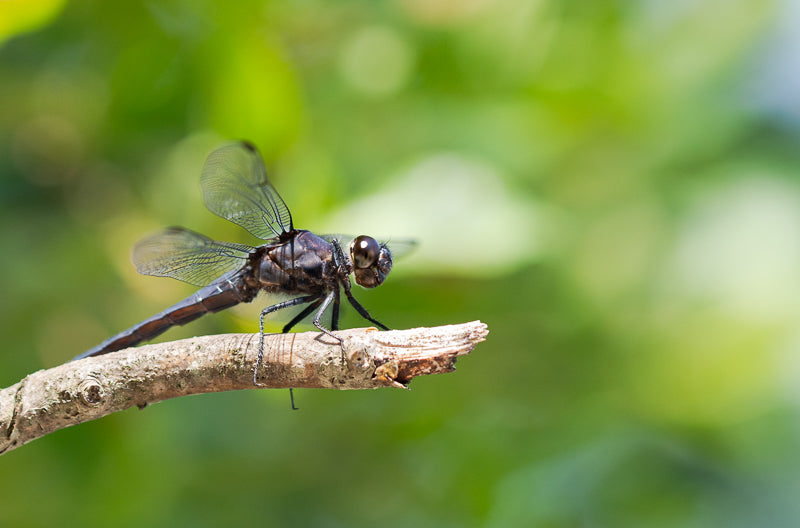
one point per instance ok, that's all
(235, 187)
(401, 248)
(398, 248)
(188, 256)
(343, 240)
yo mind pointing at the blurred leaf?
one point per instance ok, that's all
(252, 93)
(20, 16)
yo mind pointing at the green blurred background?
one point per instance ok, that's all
(612, 186)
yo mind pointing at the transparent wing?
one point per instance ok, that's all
(235, 187)
(343, 240)
(399, 248)
(187, 256)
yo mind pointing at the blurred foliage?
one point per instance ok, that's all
(612, 186)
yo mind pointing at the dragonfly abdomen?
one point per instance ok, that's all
(212, 298)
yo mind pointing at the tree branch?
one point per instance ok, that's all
(84, 390)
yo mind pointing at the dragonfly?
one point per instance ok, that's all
(311, 269)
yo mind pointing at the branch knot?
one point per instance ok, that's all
(91, 391)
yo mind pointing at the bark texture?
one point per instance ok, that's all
(83, 390)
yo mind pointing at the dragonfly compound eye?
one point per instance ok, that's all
(364, 251)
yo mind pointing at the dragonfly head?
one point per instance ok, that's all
(372, 262)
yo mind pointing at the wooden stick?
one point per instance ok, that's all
(87, 389)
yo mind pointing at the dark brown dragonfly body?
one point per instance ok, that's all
(310, 268)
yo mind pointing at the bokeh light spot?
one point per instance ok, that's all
(741, 248)
(376, 61)
(467, 222)
(19, 16)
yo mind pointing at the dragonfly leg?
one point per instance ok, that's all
(363, 311)
(307, 310)
(335, 312)
(264, 312)
(318, 317)
(299, 317)
(331, 296)
(296, 319)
